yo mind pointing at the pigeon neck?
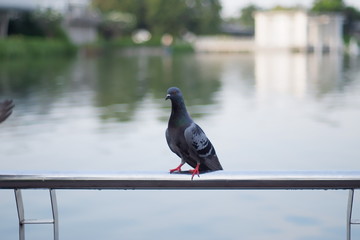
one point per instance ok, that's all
(179, 115)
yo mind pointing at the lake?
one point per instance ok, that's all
(262, 111)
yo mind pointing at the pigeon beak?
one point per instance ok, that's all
(167, 97)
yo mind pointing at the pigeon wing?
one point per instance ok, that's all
(201, 147)
(5, 109)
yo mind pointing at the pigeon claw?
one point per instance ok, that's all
(195, 171)
(177, 169)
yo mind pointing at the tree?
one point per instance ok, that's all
(351, 17)
(247, 15)
(168, 16)
(49, 22)
(138, 8)
(41, 23)
(115, 24)
(328, 6)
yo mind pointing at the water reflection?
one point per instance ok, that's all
(264, 112)
(24, 78)
(119, 83)
(297, 74)
(124, 81)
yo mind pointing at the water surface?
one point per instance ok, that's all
(262, 112)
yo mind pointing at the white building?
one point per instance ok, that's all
(80, 22)
(298, 30)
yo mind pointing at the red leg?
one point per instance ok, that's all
(177, 169)
(195, 171)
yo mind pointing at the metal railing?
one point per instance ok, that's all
(21, 215)
(222, 180)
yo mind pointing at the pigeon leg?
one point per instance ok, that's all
(178, 168)
(195, 171)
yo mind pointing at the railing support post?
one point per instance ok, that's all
(349, 214)
(55, 214)
(21, 215)
(23, 221)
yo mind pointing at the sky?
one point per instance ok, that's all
(232, 7)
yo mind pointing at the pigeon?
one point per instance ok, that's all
(6, 109)
(187, 140)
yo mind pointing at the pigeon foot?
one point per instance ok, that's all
(177, 169)
(195, 171)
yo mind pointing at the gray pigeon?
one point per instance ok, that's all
(6, 109)
(187, 140)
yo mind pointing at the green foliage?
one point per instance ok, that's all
(351, 16)
(49, 22)
(182, 47)
(124, 42)
(168, 16)
(16, 47)
(25, 24)
(328, 6)
(45, 23)
(285, 8)
(116, 23)
(247, 15)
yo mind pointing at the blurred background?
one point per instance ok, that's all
(274, 84)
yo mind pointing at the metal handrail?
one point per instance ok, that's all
(162, 180)
(159, 180)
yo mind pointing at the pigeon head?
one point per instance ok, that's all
(179, 116)
(174, 93)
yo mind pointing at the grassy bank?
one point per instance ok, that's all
(19, 47)
(126, 42)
